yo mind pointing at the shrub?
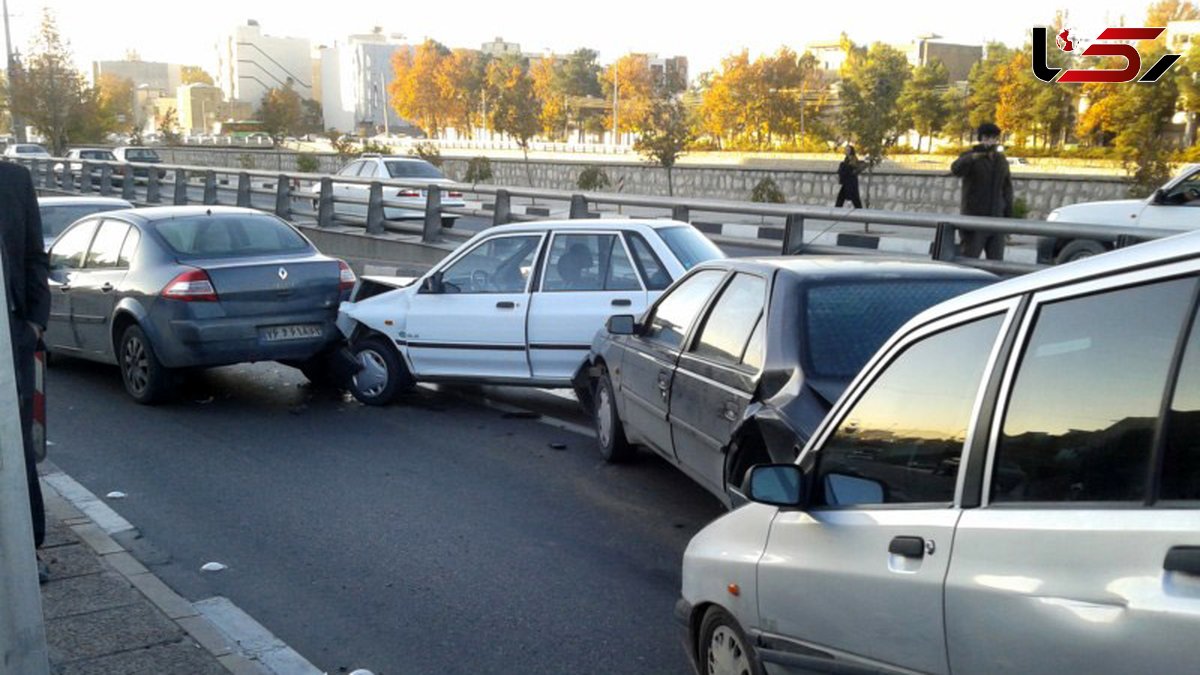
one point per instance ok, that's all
(1020, 208)
(307, 162)
(371, 147)
(479, 170)
(428, 152)
(246, 160)
(593, 178)
(767, 191)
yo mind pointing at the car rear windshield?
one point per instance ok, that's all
(846, 323)
(30, 150)
(55, 219)
(689, 246)
(97, 154)
(413, 170)
(229, 235)
(141, 155)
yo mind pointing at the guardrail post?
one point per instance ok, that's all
(67, 178)
(85, 177)
(153, 187)
(793, 234)
(127, 188)
(105, 180)
(181, 188)
(579, 207)
(243, 193)
(375, 209)
(47, 177)
(283, 197)
(680, 212)
(503, 211)
(433, 213)
(944, 247)
(325, 204)
(34, 166)
(210, 187)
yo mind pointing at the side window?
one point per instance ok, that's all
(756, 348)
(732, 319)
(70, 248)
(1187, 192)
(656, 276)
(677, 309)
(902, 441)
(588, 262)
(369, 170)
(1087, 394)
(106, 247)
(497, 265)
(351, 169)
(129, 248)
(1181, 463)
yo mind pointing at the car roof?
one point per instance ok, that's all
(83, 201)
(831, 267)
(155, 214)
(587, 224)
(395, 158)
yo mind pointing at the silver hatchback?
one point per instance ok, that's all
(1011, 485)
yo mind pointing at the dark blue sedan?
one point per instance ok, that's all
(162, 289)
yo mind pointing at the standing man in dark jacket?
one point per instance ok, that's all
(848, 177)
(986, 191)
(25, 270)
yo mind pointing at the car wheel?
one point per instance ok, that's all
(382, 374)
(723, 648)
(1078, 250)
(448, 222)
(610, 434)
(145, 377)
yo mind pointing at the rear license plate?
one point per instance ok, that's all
(296, 332)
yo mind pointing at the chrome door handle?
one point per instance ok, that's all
(622, 302)
(506, 304)
(729, 412)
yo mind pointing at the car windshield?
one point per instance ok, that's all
(141, 155)
(689, 246)
(230, 235)
(97, 154)
(31, 150)
(56, 218)
(413, 170)
(846, 323)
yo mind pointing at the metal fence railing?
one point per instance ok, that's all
(342, 201)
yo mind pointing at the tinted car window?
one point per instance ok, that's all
(55, 219)
(846, 323)
(656, 276)
(141, 155)
(732, 319)
(1181, 464)
(689, 246)
(129, 248)
(230, 235)
(756, 348)
(412, 170)
(589, 262)
(106, 247)
(96, 154)
(1087, 394)
(902, 440)
(498, 265)
(70, 248)
(680, 306)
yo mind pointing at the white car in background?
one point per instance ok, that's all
(26, 151)
(516, 304)
(391, 167)
(1174, 206)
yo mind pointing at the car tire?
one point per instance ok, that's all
(1079, 249)
(610, 434)
(723, 648)
(448, 222)
(383, 374)
(146, 380)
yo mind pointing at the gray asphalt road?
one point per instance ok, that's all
(434, 536)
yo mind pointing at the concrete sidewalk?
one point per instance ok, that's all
(106, 613)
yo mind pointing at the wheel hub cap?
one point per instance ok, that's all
(373, 376)
(726, 655)
(604, 416)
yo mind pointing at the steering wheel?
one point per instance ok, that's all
(479, 280)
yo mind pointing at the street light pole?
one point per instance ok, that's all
(18, 126)
(616, 102)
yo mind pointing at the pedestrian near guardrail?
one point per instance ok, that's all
(848, 172)
(986, 191)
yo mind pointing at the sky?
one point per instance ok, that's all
(187, 32)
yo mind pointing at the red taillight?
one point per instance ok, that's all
(346, 276)
(191, 286)
(408, 193)
(454, 195)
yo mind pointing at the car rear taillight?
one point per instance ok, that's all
(191, 286)
(346, 276)
(454, 195)
(408, 193)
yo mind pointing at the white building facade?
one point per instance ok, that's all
(355, 77)
(249, 64)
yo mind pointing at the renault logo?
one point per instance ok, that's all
(283, 274)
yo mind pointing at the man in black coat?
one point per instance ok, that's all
(25, 270)
(986, 191)
(848, 177)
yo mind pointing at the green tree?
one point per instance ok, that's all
(1187, 78)
(1143, 115)
(1018, 89)
(549, 87)
(168, 125)
(281, 112)
(923, 102)
(1159, 13)
(872, 81)
(635, 90)
(47, 91)
(983, 83)
(415, 92)
(593, 178)
(581, 86)
(666, 136)
(514, 108)
(115, 98)
(194, 75)
(955, 102)
(460, 81)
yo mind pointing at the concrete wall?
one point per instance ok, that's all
(926, 191)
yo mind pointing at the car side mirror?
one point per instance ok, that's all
(775, 485)
(621, 324)
(433, 283)
(1160, 196)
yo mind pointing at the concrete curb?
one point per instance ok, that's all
(234, 646)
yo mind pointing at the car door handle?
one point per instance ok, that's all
(909, 547)
(622, 302)
(1184, 559)
(506, 304)
(106, 288)
(729, 411)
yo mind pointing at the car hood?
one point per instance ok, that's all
(1115, 212)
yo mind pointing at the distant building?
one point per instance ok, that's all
(499, 47)
(199, 107)
(672, 69)
(958, 59)
(830, 54)
(1181, 35)
(249, 64)
(163, 77)
(354, 81)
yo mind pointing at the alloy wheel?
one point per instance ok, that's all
(135, 364)
(726, 654)
(372, 378)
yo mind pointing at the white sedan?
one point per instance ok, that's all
(411, 200)
(516, 304)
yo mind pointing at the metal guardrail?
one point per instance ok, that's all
(294, 197)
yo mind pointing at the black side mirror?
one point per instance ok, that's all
(621, 324)
(1160, 196)
(433, 283)
(775, 485)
